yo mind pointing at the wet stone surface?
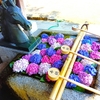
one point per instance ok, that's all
(29, 88)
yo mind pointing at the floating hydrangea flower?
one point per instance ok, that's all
(27, 56)
(95, 46)
(51, 40)
(58, 64)
(45, 59)
(86, 62)
(84, 53)
(55, 58)
(44, 35)
(90, 69)
(68, 41)
(85, 78)
(44, 40)
(86, 47)
(32, 69)
(59, 35)
(60, 40)
(43, 69)
(41, 46)
(50, 51)
(36, 52)
(20, 65)
(75, 78)
(64, 57)
(77, 67)
(95, 55)
(36, 58)
(58, 52)
(56, 45)
(43, 52)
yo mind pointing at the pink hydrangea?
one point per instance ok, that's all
(58, 52)
(32, 68)
(27, 56)
(77, 67)
(44, 40)
(45, 59)
(95, 46)
(86, 62)
(60, 40)
(51, 40)
(85, 78)
(95, 55)
(43, 68)
(54, 58)
(20, 65)
(86, 47)
(43, 52)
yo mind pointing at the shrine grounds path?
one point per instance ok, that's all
(77, 11)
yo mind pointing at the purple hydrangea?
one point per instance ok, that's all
(90, 69)
(64, 57)
(36, 58)
(75, 78)
(85, 78)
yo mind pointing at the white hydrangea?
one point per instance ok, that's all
(20, 65)
(43, 68)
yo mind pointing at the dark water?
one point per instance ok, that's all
(7, 94)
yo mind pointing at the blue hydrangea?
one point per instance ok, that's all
(41, 46)
(86, 39)
(36, 58)
(84, 53)
(59, 35)
(44, 35)
(50, 51)
(58, 64)
(90, 69)
(75, 78)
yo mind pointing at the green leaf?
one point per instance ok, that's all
(43, 79)
(37, 76)
(11, 64)
(79, 89)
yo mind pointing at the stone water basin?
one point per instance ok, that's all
(37, 86)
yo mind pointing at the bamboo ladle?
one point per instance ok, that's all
(54, 74)
(76, 29)
(66, 49)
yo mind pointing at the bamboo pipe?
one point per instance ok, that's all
(54, 74)
(76, 47)
(58, 83)
(66, 49)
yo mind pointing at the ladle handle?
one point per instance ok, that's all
(82, 85)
